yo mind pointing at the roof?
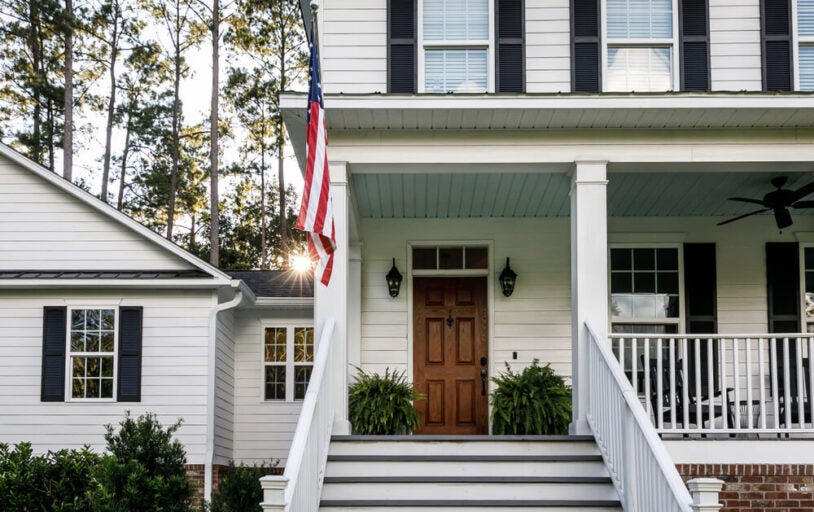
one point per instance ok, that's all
(277, 283)
(216, 276)
(102, 274)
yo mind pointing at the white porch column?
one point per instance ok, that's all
(589, 276)
(354, 307)
(332, 301)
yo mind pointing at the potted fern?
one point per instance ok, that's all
(382, 404)
(535, 401)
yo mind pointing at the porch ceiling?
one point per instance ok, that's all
(534, 195)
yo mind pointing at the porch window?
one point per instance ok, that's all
(641, 43)
(450, 258)
(805, 40)
(92, 353)
(808, 286)
(645, 290)
(288, 360)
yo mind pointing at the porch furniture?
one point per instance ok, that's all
(797, 398)
(670, 401)
(748, 411)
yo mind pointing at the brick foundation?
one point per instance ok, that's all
(764, 487)
(197, 473)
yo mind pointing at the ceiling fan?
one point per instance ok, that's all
(779, 201)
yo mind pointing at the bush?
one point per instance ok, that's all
(145, 469)
(382, 405)
(239, 490)
(535, 401)
(58, 481)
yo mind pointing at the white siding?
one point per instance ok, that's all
(224, 387)
(354, 46)
(174, 370)
(43, 228)
(548, 46)
(262, 430)
(735, 55)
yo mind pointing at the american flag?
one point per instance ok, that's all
(317, 212)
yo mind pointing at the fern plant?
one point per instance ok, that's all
(382, 405)
(535, 401)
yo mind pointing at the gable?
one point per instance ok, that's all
(45, 227)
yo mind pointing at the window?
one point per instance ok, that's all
(288, 360)
(450, 258)
(805, 44)
(645, 291)
(92, 353)
(641, 43)
(808, 287)
(447, 46)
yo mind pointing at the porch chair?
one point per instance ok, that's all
(795, 395)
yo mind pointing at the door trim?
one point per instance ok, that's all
(490, 300)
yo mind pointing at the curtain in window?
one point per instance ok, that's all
(455, 71)
(640, 19)
(456, 20)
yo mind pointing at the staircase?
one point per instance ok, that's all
(472, 473)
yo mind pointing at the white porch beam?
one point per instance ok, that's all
(332, 301)
(589, 276)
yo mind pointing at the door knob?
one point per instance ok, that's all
(483, 381)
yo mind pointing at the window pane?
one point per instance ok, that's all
(107, 342)
(640, 19)
(807, 68)
(275, 382)
(92, 388)
(645, 328)
(455, 71)
(640, 69)
(644, 282)
(302, 374)
(644, 259)
(92, 319)
(108, 318)
(275, 345)
(107, 388)
(78, 319)
(622, 305)
(424, 258)
(78, 388)
(621, 259)
(477, 257)
(77, 341)
(451, 258)
(94, 367)
(667, 259)
(92, 342)
(456, 20)
(78, 367)
(667, 282)
(304, 344)
(805, 17)
(621, 282)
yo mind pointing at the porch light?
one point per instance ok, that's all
(507, 279)
(394, 280)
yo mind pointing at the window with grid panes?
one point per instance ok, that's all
(288, 360)
(92, 353)
(645, 290)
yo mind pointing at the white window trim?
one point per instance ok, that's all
(290, 364)
(678, 321)
(671, 43)
(796, 42)
(69, 354)
(476, 44)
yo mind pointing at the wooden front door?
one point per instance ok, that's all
(450, 365)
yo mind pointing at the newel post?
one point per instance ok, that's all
(273, 492)
(704, 493)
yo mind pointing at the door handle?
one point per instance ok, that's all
(483, 382)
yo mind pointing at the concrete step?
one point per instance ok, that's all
(457, 445)
(469, 506)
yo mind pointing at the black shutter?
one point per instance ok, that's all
(700, 298)
(401, 46)
(129, 388)
(776, 41)
(783, 286)
(54, 325)
(585, 63)
(694, 45)
(511, 69)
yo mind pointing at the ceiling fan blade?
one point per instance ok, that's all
(747, 200)
(783, 217)
(803, 204)
(803, 191)
(739, 217)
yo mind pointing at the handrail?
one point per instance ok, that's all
(307, 457)
(629, 336)
(632, 450)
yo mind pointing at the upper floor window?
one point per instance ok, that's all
(455, 45)
(805, 44)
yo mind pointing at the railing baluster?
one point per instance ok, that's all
(685, 397)
(762, 381)
(646, 366)
(711, 381)
(659, 384)
(724, 412)
(774, 367)
(634, 373)
(749, 414)
(798, 351)
(786, 383)
(810, 380)
(672, 367)
(737, 383)
(698, 394)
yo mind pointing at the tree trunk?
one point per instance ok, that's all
(123, 176)
(36, 65)
(176, 128)
(281, 148)
(263, 228)
(67, 141)
(111, 103)
(214, 211)
(49, 127)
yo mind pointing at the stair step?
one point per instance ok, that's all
(465, 458)
(441, 490)
(470, 505)
(477, 467)
(469, 479)
(451, 445)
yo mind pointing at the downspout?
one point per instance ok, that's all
(210, 398)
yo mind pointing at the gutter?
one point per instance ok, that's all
(241, 291)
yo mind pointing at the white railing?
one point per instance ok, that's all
(733, 383)
(300, 486)
(641, 468)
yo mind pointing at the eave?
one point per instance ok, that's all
(670, 111)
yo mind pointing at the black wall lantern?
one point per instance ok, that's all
(507, 279)
(394, 280)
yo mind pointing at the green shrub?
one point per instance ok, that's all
(145, 469)
(239, 490)
(535, 401)
(57, 482)
(382, 405)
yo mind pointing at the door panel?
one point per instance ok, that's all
(450, 339)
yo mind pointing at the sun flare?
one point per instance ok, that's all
(300, 263)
